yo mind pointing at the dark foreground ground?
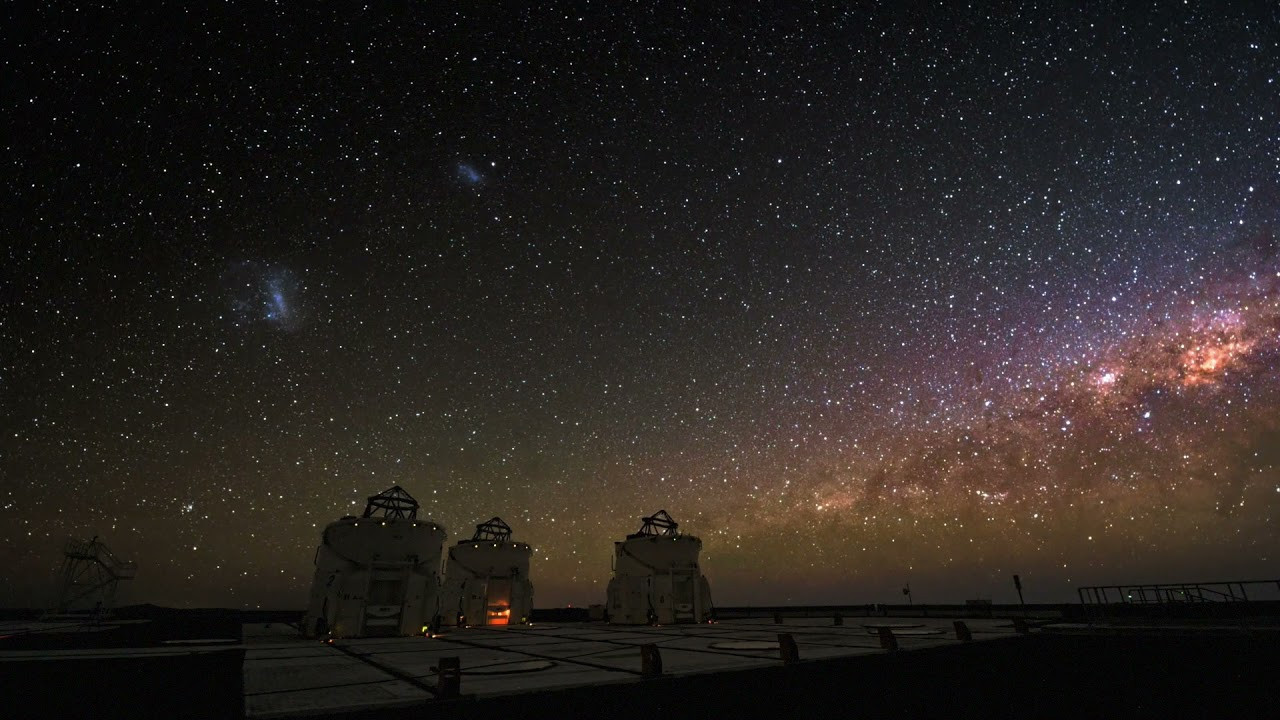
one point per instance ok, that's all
(1028, 677)
(1156, 674)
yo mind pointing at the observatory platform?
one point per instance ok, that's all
(159, 662)
(285, 677)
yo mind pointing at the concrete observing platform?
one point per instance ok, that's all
(285, 676)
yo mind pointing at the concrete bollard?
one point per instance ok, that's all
(450, 677)
(650, 661)
(837, 619)
(962, 631)
(887, 639)
(787, 648)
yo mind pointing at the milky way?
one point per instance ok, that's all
(862, 297)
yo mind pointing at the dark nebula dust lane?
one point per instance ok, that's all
(862, 296)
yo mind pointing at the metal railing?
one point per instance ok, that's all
(1174, 593)
(1233, 600)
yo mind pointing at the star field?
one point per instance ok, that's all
(862, 296)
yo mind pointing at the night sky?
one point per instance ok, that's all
(861, 296)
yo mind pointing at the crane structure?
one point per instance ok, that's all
(90, 577)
